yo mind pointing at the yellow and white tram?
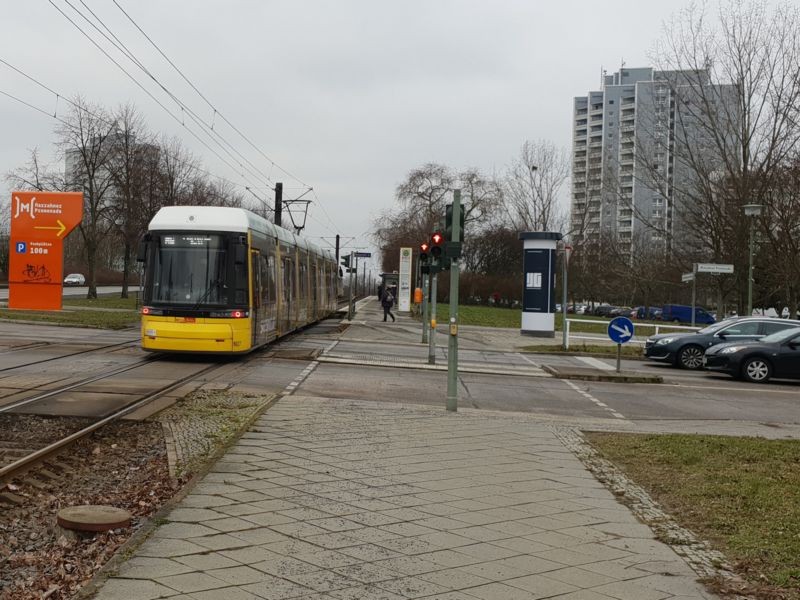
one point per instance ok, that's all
(224, 280)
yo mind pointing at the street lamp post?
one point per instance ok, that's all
(752, 211)
(565, 250)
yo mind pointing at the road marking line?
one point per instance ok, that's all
(292, 387)
(594, 400)
(597, 364)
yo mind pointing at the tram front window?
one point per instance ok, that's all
(190, 269)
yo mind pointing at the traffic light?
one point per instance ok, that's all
(453, 247)
(423, 252)
(346, 262)
(437, 241)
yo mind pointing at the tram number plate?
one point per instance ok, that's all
(185, 319)
(150, 332)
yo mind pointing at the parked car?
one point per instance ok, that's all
(620, 311)
(646, 312)
(679, 313)
(686, 350)
(776, 355)
(74, 279)
(604, 310)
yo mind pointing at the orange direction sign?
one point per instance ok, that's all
(39, 223)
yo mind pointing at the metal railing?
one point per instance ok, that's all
(634, 340)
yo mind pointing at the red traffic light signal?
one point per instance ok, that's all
(437, 239)
(423, 252)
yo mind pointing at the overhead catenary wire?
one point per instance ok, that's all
(149, 94)
(219, 113)
(204, 127)
(207, 101)
(89, 112)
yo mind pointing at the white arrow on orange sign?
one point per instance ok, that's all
(61, 228)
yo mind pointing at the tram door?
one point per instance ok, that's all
(255, 302)
(288, 294)
(315, 302)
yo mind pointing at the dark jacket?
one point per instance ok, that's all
(387, 299)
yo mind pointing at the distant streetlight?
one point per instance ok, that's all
(752, 212)
(565, 250)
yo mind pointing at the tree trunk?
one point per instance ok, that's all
(126, 268)
(91, 262)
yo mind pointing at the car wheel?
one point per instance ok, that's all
(690, 357)
(757, 370)
(676, 320)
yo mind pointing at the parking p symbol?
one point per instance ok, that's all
(22, 247)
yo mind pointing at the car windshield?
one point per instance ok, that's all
(781, 336)
(713, 328)
(190, 269)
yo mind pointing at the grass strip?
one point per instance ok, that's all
(740, 494)
(103, 302)
(492, 316)
(76, 318)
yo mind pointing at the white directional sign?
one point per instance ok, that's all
(687, 277)
(715, 268)
(620, 330)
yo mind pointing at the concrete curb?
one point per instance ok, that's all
(147, 527)
(612, 355)
(426, 367)
(596, 375)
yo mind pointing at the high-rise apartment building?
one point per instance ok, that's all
(629, 139)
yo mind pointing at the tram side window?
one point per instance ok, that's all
(257, 284)
(271, 277)
(303, 280)
(288, 273)
(265, 291)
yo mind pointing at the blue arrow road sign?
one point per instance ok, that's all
(620, 330)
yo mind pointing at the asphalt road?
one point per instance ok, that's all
(382, 373)
(684, 395)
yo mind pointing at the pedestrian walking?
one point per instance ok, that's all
(387, 300)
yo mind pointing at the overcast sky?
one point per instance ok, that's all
(347, 95)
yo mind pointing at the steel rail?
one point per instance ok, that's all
(6, 471)
(96, 349)
(77, 384)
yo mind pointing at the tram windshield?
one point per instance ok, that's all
(190, 269)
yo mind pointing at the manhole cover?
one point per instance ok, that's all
(93, 518)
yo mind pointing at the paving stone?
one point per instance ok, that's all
(142, 567)
(134, 589)
(192, 582)
(412, 587)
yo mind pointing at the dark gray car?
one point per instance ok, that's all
(686, 350)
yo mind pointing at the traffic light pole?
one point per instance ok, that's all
(432, 337)
(425, 286)
(452, 343)
(351, 309)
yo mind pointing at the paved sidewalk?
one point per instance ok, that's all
(365, 500)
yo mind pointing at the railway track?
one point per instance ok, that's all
(18, 454)
(37, 462)
(39, 346)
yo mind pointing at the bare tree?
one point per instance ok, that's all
(422, 198)
(179, 169)
(132, 154)
(735, 95)
(533, 185)
(86, 136)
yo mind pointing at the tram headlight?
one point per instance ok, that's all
(229, 314)
(146, 310)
